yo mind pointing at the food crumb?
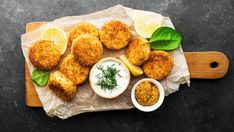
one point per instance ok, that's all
(146, 93)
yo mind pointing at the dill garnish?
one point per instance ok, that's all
(107, 79)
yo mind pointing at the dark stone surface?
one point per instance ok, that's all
(206, 106)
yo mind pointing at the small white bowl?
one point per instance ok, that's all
(152, 107)
(116, 92)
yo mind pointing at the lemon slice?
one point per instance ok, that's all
(57, 35)
(135, 70)
(145, 25)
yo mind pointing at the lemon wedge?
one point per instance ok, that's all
(145, 25)
(57, 35)
(135, 70)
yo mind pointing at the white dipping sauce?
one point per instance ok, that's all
(122, 77)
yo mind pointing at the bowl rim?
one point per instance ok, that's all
(103, 60)
(152, 107)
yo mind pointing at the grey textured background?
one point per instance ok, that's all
(206, 106)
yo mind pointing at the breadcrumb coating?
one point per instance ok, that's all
(138, 51)
(44, 55)
(115, 34)
(159, 65)
(81, 28)
(74, 70)
(87, 49)
(62, 86)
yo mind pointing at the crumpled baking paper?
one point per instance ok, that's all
(86, 100)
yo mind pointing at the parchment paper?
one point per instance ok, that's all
(86, 100)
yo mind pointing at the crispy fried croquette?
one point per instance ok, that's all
(159, 65)
(138, 51)
(81, 28)
(87, 49)
(115, 34)
(74, 70)
(63, 87)
(44, 55)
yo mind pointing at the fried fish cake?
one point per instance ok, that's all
(87, 49)
(138, 51)
(115, 34)
(44, 55)
(74, 70)
(62, 86)
(159, 65)
(81, 28)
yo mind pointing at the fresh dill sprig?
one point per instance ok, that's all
(107, 79)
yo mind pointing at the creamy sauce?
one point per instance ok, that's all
(122, 79)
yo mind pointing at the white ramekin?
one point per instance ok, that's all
(152, 107)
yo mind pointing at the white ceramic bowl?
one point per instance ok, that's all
(116, 92)
(152, 107)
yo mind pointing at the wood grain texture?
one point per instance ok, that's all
(199, 64)
(31, 96)
(207, 65)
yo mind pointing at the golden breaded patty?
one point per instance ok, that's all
(63, 87)
(159, 65)
(74, 70)
(44, 55)
(115, 34)
(81, 28)
(138, 51)
(87, 49)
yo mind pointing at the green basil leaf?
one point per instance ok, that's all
(40, 77)
(165, 38)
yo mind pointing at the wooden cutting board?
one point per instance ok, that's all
(202, 65)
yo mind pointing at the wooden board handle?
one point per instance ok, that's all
(207, 65)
